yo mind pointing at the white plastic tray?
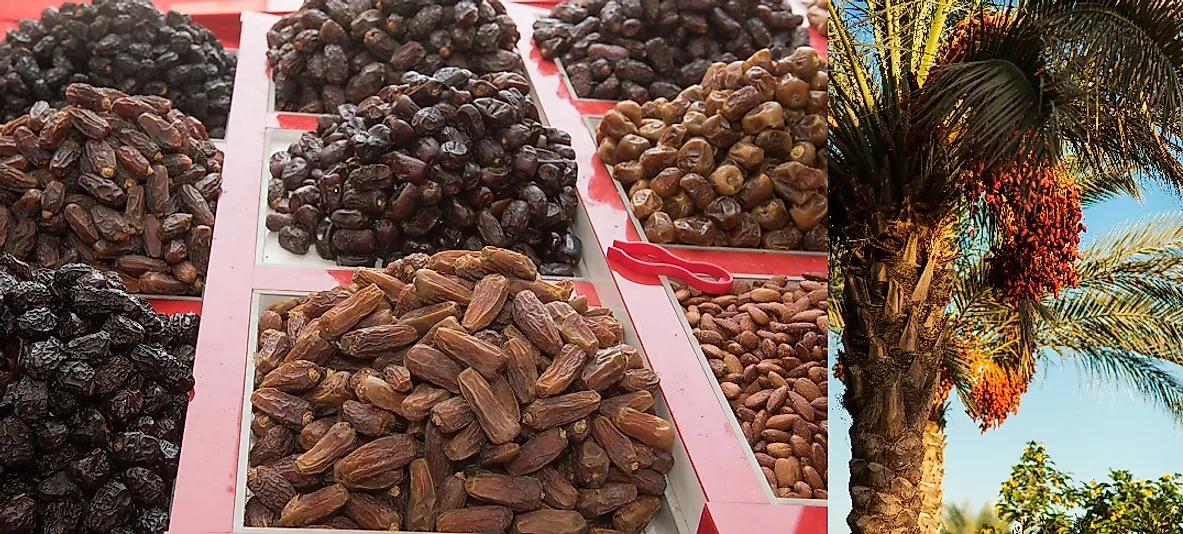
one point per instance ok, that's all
(683, 502)
(592, 122)
(736, 429)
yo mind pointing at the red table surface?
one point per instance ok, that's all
(204, 500)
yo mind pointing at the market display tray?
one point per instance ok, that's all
(270, 253)
(672, 519)
(714, 488)
(723, 404)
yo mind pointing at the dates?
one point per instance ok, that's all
(477, 519)
(131, 48)
(619, 50)
(433, 420)
(452, 162)
(96, 395)
(105, 192)
(499, 423)
(778, 387)
(304, 510)
(317, 65)
(751, 155)
(522, 494)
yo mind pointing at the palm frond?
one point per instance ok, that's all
(1132, 48)
(1122, 61)
(1128, 246)
(1146, 377)
(1097, 187)
(1128, 309)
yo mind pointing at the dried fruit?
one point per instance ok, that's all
(562, 371)
(421, 499)
(537, 452)
(374, 341)
(304, 510)
(95, 389)
(325, 55)
(531, 317)
(336, 443)
(384, 418)
(477, 519)
(749, 167)
(289, 410)
(372, 513)
(777, 390)
(618, 446)
(633, 517)
(522, 494)
(269, 487)
(498, 423)
(380, 455)
(128, 47)
(99, 197)
(597, 502)
(348, 312)
(550, 522)
(648, 429)
(623, 51)
(427, 363)
(444, 163)
(486, 358)
(563, 409)
(488, 297)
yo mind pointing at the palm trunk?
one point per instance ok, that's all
(896, 288)
(932, 472)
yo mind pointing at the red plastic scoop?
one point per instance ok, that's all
(647, 258)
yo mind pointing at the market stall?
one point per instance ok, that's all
(718, 479)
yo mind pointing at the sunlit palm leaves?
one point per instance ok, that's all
(1123, 326)
(1095, 81)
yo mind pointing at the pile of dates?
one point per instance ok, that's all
(643, 49)
(125, 44)
(332, 52)
(121, 182)
(766, 344)
(94, 386)
(434, 163)
(453, 393)
(738, 161)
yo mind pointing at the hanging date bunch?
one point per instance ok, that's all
(635, 50)
(1039, 214)
(434, 163)
(126, 183)
(999, 389)
(453, 393)
(94, 387)
(124, 44)
(332, 52)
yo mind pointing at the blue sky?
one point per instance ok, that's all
(1087, 430)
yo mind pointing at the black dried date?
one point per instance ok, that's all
(433, 163)
(101, 452)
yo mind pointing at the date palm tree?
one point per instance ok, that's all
(1121, 327)
(952, 125)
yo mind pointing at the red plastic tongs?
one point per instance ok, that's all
(646, 258)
